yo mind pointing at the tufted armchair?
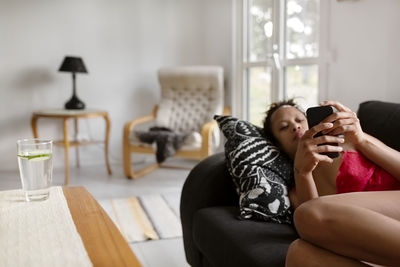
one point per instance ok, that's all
(190, 96)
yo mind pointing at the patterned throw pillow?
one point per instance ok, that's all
(260, 172)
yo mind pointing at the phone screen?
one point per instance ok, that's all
(317, 114)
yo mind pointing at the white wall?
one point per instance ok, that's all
(122, 42)
(365, 46)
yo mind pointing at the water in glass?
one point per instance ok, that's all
(35, 166)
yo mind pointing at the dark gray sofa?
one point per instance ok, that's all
(212, 233)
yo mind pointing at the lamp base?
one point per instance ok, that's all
(74, 103)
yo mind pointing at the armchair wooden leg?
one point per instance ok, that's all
(127, 162)
(130, 173)
(144, 170)
(128, 169)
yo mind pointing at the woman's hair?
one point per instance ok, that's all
(272, 108)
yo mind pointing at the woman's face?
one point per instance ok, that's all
(288, 125)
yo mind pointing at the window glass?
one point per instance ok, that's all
(302, 84)
(260, 30)
(259, 93)
(296, 74)
(302, 28)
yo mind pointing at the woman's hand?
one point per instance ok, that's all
(345, 122)
(309, 148)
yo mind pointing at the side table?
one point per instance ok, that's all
(66, 115)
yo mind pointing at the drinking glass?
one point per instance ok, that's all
(35, 167)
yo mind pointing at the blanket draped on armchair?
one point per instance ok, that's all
(167, 141)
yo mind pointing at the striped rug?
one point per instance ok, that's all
(147, 217)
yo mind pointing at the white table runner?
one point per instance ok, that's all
(39, 233)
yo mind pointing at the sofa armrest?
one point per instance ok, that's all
(381, 120)
(208, 184)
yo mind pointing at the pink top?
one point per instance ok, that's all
(357, 173)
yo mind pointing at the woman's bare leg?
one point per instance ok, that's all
(302, 253)
(364, 226)
(384, 202)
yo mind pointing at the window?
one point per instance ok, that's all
(279, 54)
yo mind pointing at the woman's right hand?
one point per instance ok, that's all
(309, 149)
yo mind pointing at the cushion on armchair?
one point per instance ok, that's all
(190, 96)
(260, 172)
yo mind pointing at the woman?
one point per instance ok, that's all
(350, 229)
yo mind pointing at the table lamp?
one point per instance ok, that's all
(74, 65)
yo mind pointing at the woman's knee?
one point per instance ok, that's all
(296, 254)
(312, 218)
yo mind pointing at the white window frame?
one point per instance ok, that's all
(239, 94)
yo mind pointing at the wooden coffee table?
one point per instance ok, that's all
(104, 243)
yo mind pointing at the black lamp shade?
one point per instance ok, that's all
(73, 64)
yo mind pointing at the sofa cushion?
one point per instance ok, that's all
(260, 172)
(240, 242)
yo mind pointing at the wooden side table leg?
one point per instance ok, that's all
(66, 148)
(34, 126)
(76, 139)
(107, 137)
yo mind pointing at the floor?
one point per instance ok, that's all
(169, 252)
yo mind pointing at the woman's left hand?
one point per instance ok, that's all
(345, 122)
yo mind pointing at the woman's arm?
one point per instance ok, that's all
(305, 189)
(307, 158)
(376, 151)
(347, 123)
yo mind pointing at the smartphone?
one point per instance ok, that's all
(317, 114)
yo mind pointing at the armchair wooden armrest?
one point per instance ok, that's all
(128, 128)
(226, 111)
(206, 134)
(204, 151)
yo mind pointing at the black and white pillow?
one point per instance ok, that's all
(261, 173)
